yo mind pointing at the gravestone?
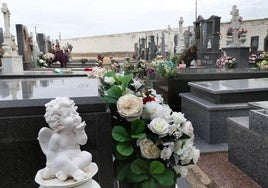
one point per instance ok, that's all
(210, 102)
(208, 41)
(24, 46)
(254, 44)
(266, 43)
(1, 36)
(181, 45)
(41, 41)
(142, 48)
(11, 61)
(152, 47)
(187, 38)
(235, 47)
(248, 142)
(22, 116)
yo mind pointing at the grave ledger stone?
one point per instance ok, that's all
(210, 103)
(22, 116)
(248, 142)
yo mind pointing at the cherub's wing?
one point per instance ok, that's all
(44, 136)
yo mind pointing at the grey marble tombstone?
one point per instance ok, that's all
(41, 41)
(1, 36)
(24, 42)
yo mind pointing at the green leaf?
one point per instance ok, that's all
(110, 99)
(136, 178)
(125, 148)
(122, 171)
(148, 184)
(156, 167)
(125, 79)
(118, 156)
(114, 92)
(137, 126)
(139, 166)
(120, 134)
(109, 74)
(167, 178)
(140, 135)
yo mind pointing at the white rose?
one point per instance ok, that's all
(166, 153)
(187, 128)
(137, 84)
(109, 80)
(182, 170)
(130, 107)
(178, 117)
(148, 149)
(159, 126)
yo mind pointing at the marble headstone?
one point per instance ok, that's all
(24, 43)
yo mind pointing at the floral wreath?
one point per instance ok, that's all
(151, 143)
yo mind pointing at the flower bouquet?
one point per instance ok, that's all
(45, 60)
(226, 61)
(165, 69)
(152, 144)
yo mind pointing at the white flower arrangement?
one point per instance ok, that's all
(147, 133)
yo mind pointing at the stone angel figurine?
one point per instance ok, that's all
(61, 143)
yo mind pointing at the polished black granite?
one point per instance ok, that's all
(22, 116)
(42, 88)
(231, 91)
(179, 84)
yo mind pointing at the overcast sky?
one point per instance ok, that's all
(82, 18)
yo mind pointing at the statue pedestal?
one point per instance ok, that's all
(91, 170)
(90, 184)
(12, 64)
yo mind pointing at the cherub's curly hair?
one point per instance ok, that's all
(54, 113)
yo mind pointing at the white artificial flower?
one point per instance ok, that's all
(159, 126)
(187, 128)
(148, 149)
(158, 98)
(167, 152)
(178, 117)
(109, 80)
(152, 108)
(182, 170)
(137, 84)
(130, 107)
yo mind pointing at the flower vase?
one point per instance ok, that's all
(242, 39)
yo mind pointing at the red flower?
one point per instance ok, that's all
(88, 69)
(148, 99)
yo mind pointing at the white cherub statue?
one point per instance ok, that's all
(61, 143)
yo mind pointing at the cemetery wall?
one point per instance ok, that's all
(124, 43)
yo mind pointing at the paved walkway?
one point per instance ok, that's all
(215, 171)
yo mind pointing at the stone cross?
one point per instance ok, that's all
(236, 23)
(6, 15)
(181, 25)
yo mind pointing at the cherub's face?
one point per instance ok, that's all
(70, 119)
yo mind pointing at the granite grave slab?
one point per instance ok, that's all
(22, 116)
(248, 144)
(210, 102)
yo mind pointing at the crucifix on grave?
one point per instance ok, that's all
(7, 35)
(235, 24)
(11, 61)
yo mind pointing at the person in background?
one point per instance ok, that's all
(188, 55)
(59, 56)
